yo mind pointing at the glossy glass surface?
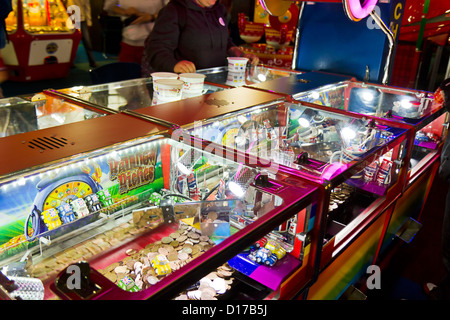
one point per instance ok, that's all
(411, 107)
(251, 75)
(18, 115)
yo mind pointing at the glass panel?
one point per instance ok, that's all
(415, 108)
(45, 16)
(11, 20)
(252, 75)
(18, 115)
(124, 95)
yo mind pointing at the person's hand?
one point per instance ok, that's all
(131, 11)
(253, 59)
(143, 17)
(184, 66)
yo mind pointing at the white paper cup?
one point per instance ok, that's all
(193, 83)
(162, 75)
(237, 64)
(168, 89)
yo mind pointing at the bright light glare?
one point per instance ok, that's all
(367, 96)
(348, 133)
(57, 117)
(262, 77)
(183, 168)
(303, 122)
(236, 189)
(405, 104)
(241, 119)
(315, 95)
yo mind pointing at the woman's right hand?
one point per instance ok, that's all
(184, 66)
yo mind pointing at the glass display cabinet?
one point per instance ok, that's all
(148, 213)
(360, 161)
(416, 109)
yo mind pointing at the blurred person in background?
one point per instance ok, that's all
(85, 24)
(138, 18)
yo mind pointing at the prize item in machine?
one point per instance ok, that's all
(42, 40)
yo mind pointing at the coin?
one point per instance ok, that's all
(172, 256)
(130, 252)
(195, 250)
(183, 256)
(130, 264)
(211, 275)
(181, 238)
(111, 276)
(208, 290)
(174, 235)
(163, 251)
(193, 235)
(152, 279)
(223, 273)
(121, 269)
(206, 296)
(121, 276)
(212, 216)
(166, 240)
(194, 295)
(187, 250)
(219, 285)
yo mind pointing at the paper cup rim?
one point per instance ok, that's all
(192, 75)
(163, 74)
(237, 58)
(170, 81)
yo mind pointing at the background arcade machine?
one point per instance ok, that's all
(269, 36)
(41, 44)
(358, 43)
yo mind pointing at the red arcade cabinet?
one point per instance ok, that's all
(41, 44)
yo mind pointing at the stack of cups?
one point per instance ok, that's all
(166, 87)
(236, 71)
(193, 84)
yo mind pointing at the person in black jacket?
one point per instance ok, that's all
(190, 35)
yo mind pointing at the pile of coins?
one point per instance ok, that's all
(340, 195)
(180, 247)
(85, 250)
(211, 286)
